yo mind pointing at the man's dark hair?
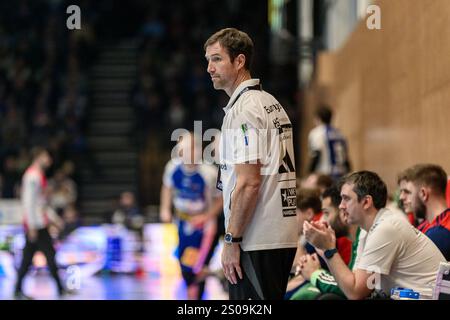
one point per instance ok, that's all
(324, 113)
(324, 181)
(334, 194)
(367, 183)
(309, 198)
(430, 175)
(235, 42)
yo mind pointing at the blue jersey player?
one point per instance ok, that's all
(191, 189)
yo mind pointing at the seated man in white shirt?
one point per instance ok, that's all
(391, 253)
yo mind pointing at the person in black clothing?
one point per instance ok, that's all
(37, 217)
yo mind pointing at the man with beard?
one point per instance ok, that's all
(424, 194)
(391, 252)
(403, 193)
(310, 267)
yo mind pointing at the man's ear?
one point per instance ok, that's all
(367, 202)
(424, 194)
(240, 61)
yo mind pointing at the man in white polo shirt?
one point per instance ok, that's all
(257, 174)
(391, 252)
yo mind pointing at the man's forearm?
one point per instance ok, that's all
(207, 240)
(165, 213)
(243, 204)
(344, 277)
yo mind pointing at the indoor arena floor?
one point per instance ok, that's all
(160, 280)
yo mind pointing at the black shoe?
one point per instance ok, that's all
(19, 295)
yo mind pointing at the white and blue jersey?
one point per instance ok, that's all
(193, 192)
(333, 150)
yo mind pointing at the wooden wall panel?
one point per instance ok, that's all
(390, 88)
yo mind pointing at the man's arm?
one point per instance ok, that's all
(213, 212)
(243, 204)
(209, 231)
(244, 197)
(55, 219)
(441, 238)
(298, 255)
(165, 209)
(354, 284)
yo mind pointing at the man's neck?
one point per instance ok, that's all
(243, 76)
(369, 220)
(435, 208)
(352, 232)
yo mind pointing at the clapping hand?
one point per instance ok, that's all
(320, 235)
(308, 264)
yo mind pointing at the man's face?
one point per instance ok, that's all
(414, 202)
(331, 215)
(223, 72)
(352, 209)
(406, 195)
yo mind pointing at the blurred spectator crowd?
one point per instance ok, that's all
(43, 85)
(173, 88)
(43, 93)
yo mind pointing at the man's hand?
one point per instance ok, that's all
(231, 256)
(320, 235)
(199, 220)
(165, 216)
(32, 235)
(202, 274)
(309, 264)
(55, 220)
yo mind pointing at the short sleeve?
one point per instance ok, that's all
(168, 174)
(249, 133)
(380, 250)
(210, 175)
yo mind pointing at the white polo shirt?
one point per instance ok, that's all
(256, 127)
(401, 254)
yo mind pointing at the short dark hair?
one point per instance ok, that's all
(236, 42)
(324, 113)
(309, 199)
(368, 183)
(324, 180)
(430, 175)
(334, 194)
(37, 151)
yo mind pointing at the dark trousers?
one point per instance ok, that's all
(44, 244)
(265, 274)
